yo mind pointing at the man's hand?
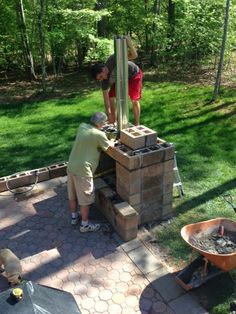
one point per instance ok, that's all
(113, 142)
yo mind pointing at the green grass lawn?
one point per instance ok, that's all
(37, 134)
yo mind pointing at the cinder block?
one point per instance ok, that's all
(107, 192)
(169, 150)
(24, 179)
(57, 170)
(20, 179)
(126, 157)
(152, 175)
(42, 173)
(167, 198)
(134, 199)
(154, 194)
(122, 216)
(168, 188)
(99, 183)
(129, 180)
(138, 137)
(154, 155)
(105, 163)
(126, 234)
(3, 186)
(105, 206)
(168, 177)
(150, 136)
(124, 209)
(132, 138)
(167, 211)
(122, 190)
(168, 165)
(149, 215)
(127, 222)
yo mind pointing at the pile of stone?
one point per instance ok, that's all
(216, 242)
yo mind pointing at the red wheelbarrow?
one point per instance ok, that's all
(208, 264)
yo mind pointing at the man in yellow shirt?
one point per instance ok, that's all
(83, 161)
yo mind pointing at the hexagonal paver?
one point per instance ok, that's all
(101, 306)
(105, 295)
(103, 274)
(118, 298)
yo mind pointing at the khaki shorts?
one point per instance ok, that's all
(80, 189)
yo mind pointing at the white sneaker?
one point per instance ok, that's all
(74, 221)
(89, 227)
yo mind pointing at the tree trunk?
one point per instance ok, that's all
(24, 37)
(222, 52)
(171, 18)
(146, 28)
(157, 7)
(156, 12)
(42, 43)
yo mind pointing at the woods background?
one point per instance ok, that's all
(42, 37)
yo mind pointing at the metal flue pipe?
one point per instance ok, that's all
(122, 105)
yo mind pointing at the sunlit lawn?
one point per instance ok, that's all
(38, 134)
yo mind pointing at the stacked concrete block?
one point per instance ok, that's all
(150, 135)
(126, 221)
(139, 158)
(3, 185)
(144, 178)
(32, 176)
(122, 216)
(106, 163)
(138, 137)
(42, 173)
(20, 179)
(57, 170)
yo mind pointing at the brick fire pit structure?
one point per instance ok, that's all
(138, 188)
(143, 181)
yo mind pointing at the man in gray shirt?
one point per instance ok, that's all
(106, 74)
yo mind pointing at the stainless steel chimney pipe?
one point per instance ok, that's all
(122, 105)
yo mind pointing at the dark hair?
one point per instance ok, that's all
(96, 69)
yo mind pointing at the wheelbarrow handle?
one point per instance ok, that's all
(228, 198)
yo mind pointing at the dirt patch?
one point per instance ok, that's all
(66, 85)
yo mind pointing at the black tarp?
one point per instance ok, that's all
(38, 299)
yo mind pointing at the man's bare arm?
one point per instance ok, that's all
(107, 101)
(109, 108)
(132, 53)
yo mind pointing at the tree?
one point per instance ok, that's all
(222, 52)
(24, 36)
(42, 42)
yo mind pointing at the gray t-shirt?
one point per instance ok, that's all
(133, 69)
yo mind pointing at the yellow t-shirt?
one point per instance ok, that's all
(85, 153)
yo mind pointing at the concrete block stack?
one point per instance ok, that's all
(138, 137)
(144, 173)
(119, 213)
(32, 176)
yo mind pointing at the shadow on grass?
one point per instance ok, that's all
(49, 143)
(209, 195)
